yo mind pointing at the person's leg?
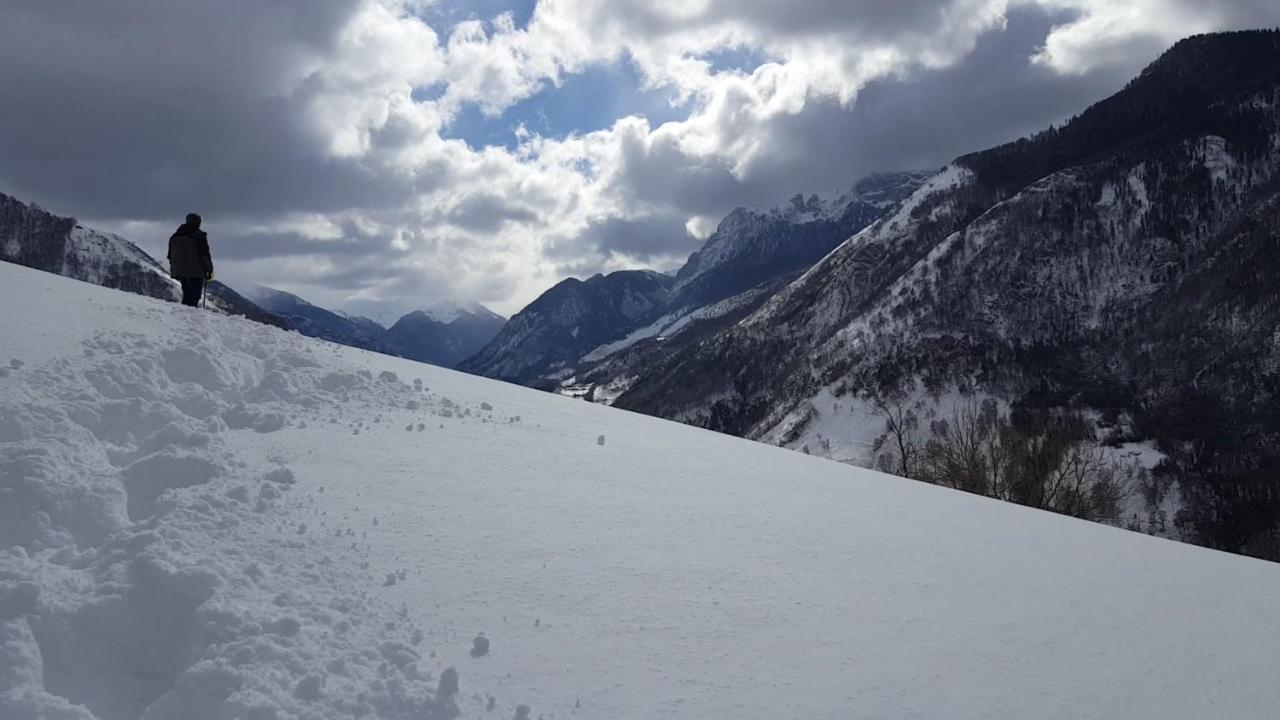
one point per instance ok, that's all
(191, 289)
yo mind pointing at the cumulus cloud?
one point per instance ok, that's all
(319, 137)
(1103, 32)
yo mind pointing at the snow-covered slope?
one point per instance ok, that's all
(31, 236)
(202, 517)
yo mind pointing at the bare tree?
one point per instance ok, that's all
(964, 450)
(1080, 485)
(1047, 459)
(901, 436)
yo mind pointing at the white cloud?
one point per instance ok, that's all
(1105, 32)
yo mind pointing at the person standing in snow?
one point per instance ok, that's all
(189, 260)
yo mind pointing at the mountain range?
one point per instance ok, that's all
(443, 334)
(594, 335)
(1113, 280)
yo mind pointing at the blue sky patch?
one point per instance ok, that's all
(588, 101)
(444, 15)
(743, 59)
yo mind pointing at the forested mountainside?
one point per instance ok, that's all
(1123, 267)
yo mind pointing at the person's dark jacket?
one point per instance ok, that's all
(189, 253)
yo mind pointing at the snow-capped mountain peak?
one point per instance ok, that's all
(448, 311)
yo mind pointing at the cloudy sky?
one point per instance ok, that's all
(380, 155)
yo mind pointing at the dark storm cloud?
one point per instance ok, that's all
(261, 246)
(931, 117)
(116, 112)
(487, 213)
(643, 239)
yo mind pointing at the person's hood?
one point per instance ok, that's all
(188, 230)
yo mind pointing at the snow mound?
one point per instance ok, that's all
(145, 571)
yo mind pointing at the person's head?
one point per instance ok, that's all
(193, 220)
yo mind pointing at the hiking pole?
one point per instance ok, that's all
(204, 287)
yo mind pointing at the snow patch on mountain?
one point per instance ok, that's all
(447, 311)
(1217, 160)
(948, 178)
(664, 326)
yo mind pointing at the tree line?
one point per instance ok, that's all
(1042, 458)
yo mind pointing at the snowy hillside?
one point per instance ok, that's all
(31, 236)
(203, 517)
